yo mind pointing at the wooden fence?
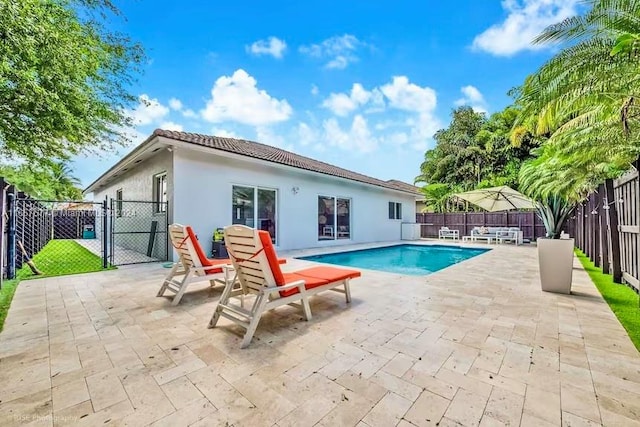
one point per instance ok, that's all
(531, 226)
(626, 197)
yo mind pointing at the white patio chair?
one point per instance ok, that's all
(258, 271)
(192, 266)
(446, 233)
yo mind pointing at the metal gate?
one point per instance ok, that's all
(65, 237)
(627, 194)
(137, 231)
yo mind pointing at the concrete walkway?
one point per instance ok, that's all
(474, 344)
(121, 256)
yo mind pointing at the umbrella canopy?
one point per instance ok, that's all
(496, 199)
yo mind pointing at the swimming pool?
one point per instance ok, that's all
(416, 260)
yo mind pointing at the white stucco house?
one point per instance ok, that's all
(210, 182)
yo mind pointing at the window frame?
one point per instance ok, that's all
(160, 201)
(397, 210)
(118, 199)
(256, 188)
(335, 216)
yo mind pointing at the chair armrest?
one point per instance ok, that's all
(295, 284)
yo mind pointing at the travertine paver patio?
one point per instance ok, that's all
(474, 344)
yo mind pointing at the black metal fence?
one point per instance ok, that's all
(50, 238)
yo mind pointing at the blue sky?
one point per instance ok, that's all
(360, 84)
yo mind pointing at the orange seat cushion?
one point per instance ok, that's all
(317, 276)
(206, 262)
(272, 258)
(216, 265)
(309, 283)
(330, 274)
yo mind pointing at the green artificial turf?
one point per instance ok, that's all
(622, 300)
(60, 258)
(6, 295)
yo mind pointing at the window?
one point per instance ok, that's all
(119, 203)
(160, 192)
(395, 210)
(254, 207)
(334, 218)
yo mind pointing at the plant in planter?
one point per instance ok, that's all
(555, 255)
(554, 211)
(555, 195)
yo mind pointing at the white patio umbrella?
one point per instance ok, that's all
(496, 199)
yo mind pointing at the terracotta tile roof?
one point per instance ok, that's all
(405, 186)
(275, 155)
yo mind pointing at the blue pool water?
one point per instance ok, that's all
(416, 260)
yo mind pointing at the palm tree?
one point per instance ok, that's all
(65, 184)
(584, 99)
(438, 197)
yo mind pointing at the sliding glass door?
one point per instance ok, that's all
(334, 218)
(266, 212)
(243, 206)
(255, 207)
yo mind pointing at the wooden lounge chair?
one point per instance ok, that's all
(193, 265)
(258, 271)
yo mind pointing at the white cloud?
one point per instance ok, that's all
(171, 126)
(339, 51)
(148, 111)
(340, 62)
(306, 135)
(314, 90)
(423, 129)
(266, 135)
(358, 137)
(376, 103)
(473, 98)
(525, 20)
(342, 104)
(320, 147)
(472, 93)
(413, 124)
(223, 133)
(398, 138)
(175, 104)
(407, 96)
(236, 98)
(272, 46)
(360, 94)
(189, 113)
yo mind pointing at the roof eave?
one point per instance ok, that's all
(121, 163)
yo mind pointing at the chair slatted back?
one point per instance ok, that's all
(248, 257)
(184, 245)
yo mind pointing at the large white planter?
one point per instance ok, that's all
(555, 257)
